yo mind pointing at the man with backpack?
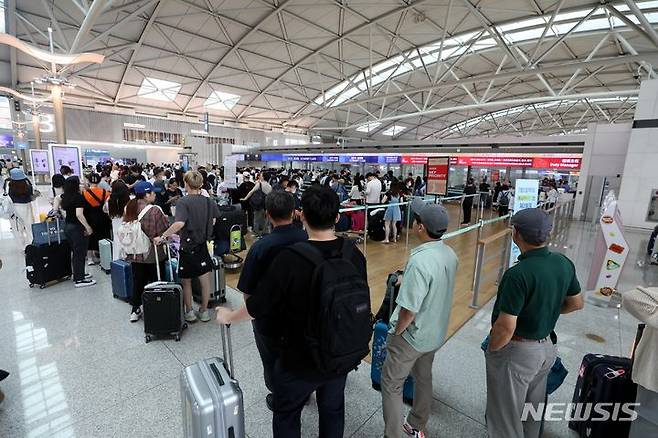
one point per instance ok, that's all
(504, 200)
(321, 312)
(419, 322)
(279, 207)
(256, 198)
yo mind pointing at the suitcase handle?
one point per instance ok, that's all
(227, 347)
(157, 261)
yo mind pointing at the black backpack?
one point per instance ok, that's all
(257, 199)
(504, 199)
(339, 324)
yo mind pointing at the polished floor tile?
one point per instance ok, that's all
(79, 369)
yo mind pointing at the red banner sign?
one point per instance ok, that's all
(437, 176)
(515, 161)
(413, 159)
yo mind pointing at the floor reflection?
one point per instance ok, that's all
(45, 409)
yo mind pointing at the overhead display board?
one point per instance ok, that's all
(6, 141)
(568, 163)
(437, 176)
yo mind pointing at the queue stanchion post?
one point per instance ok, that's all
(507, 247)
(365, 233)
(477, 267)
(409, 221)
(461, 208)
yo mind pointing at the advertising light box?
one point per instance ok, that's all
(437, 176)
(413, 159)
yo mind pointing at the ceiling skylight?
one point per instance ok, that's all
(159, 89)
(529, 29)
(394, 130)
(368, 127)
(221, 101)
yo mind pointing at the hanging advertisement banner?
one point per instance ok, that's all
(437, 176)
(526, 195)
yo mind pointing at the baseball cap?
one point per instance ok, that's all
(534, 224)
(433, 216)
(144, 187)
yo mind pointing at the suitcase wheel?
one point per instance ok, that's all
(177, 338)
(42, 286)
(147, 339)
(31, 285)
(184, 325)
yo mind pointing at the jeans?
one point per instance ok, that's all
(143, 274)
(401, 360)
(269, 352)
(75, 234)
(260, 222)
(290, 395)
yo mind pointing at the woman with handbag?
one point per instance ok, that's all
(95, 212)
(642, 303)
(22, 194)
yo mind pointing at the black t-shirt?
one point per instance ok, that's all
(484, 187)
(70, 203)
(283, 297)
(166, 197)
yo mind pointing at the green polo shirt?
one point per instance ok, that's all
(534, 290)
(426, 290)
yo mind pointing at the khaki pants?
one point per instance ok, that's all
(516, 374)
(401, 360)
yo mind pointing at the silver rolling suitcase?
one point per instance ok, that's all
(217, 283)
(105, 250)
(212, 402)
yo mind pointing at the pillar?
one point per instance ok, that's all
(58, 109)
(36, 128)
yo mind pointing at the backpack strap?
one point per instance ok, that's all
(144, 211)
(93, 195)
(309, 252)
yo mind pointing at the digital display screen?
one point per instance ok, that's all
(66, 156)
(39, 160)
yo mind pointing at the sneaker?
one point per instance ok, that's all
(385, 241)
(190, 316)
(91, 263)
(269, 401)
(88, 276)
(410, 431)
(134, 316)
(204, 316)
(85, 283)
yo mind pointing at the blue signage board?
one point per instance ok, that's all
(330, 158)
(21, 144)
(271, 157)
(388, 159)
(304, 158)
(6, 141)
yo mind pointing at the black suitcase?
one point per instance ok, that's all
(163, 308)
(376, 226)
(602, 379)
(47, 263)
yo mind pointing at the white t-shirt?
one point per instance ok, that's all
(373, 191)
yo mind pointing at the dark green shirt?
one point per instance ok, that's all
(534, 290)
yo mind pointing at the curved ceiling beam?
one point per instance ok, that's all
(328, 44)
(73, 58)
(493, 104)
(22, 96)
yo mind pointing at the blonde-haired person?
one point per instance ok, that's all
(193, 222)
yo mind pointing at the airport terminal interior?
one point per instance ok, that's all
(492, 161)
